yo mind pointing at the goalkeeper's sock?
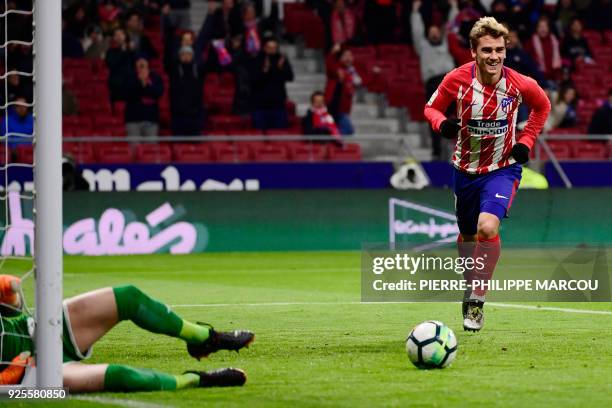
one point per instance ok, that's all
(488, 250)
(154, 316)
(124, 378)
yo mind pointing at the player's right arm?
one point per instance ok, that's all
(438, 104)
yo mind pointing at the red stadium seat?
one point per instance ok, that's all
(346, 152)
(270, 153)
(72, 63)
(284, 132)
(104, 121)
(25, 154)
(307, 152)
(95, 110)
(225, 122)
(561, 149)
(221, 105)
(230, 152)
(244, 132)
(114, 153)
(589, 150)
(82, 153)
(118, 109)
(153, 153)
(191, 153)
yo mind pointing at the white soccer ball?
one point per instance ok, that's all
(431, 344)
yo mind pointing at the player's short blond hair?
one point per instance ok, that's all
(487, 26)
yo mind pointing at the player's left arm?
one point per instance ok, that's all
(535, 97)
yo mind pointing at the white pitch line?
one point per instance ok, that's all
(553, 309)
(506, 305)
(119, 402)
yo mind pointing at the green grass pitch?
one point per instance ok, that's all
(317, 345)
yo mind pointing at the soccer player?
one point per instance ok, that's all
(488, 153)
(89, 316)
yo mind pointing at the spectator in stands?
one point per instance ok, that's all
(459, 37)
(186, 87)
(70, 104)
(563, 108)
(120, 62)
(575, 47)
(519, 60)
(435, 60)
(601, 122)
(19, 57)
(501, 12)
(94, 43)
(109, 15)
(172, 42)
(143, 91)
(342, 81)
(221, 24)
(17, 87)
(599, 12)
(318, 121)
(19, 120)
(380, 20)
(564, 14)
(271, 72)
(544, 48)
(343, 23)
(179, 13)
(524, 16)
(72, 176)
(77, 20)
(268, 25)
(71, 46)
(141, 44)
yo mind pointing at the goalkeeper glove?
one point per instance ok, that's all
(14, 372)
(449, 128)
(520, 152)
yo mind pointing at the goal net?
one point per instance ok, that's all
(30, 186)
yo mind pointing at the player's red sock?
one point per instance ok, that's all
(465, 249)
(489, 250)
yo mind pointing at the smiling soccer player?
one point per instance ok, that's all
(488, 153)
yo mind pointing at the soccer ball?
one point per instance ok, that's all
(431, 344)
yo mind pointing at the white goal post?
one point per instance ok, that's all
(48, 190)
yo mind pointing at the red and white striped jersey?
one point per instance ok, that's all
(488, 116)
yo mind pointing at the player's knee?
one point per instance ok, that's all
(488, 228)
(129, 291)
(128, 298)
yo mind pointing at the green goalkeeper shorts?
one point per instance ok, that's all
(71, 351)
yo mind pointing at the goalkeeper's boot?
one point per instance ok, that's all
(474, 317)
(223, 377)
(217, 340)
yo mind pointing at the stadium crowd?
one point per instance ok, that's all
(161, 78)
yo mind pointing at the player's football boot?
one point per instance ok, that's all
(223, 377)
(218, 340)
(464, 303)
(474, 316)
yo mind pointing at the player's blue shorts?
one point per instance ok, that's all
(491, 193)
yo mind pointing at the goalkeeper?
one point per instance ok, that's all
(88, 317)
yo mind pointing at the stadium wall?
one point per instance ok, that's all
(276, 220)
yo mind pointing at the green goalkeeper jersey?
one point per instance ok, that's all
(16, 335)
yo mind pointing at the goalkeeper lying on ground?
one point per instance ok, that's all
(89, 316)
